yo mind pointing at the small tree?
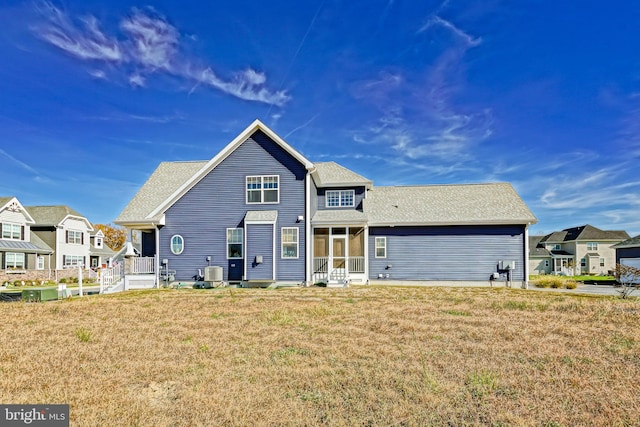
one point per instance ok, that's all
(114, 236)
(628, 278)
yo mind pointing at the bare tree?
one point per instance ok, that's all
(628, 279)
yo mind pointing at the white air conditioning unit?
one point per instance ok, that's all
(213, 274)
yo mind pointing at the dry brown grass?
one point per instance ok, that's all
(360, 356)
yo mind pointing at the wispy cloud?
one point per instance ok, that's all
(421, 118)
(146, 44)
(20, 163)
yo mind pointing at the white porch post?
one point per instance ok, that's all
(525, 268)
(366, 254)
(156, 260)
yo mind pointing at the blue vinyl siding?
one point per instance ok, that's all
(446, 253)
(627, 253)
(259, 242)
(358, 197)
(218, 202)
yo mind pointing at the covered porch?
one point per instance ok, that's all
(340, 254)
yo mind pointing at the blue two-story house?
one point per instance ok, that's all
(264, 213)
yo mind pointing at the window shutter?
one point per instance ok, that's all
(66, 234)
(64, 260)
(22, 232)
(84, 261)
(82, 238)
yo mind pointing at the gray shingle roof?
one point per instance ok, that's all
(536, 249)
(5, 200)
(50, 215)
(163, 182)
(447, 205)
(633, 242)
(260, 216)
(331, 174)
(585, 232)
(346, 216)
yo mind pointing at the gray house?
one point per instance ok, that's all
(262, 212)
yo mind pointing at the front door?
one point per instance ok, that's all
(338, 258)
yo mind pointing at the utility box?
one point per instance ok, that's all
(213, 274)
(40, 294)
(507, 265)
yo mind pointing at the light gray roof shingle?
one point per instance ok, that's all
(163, 182)
(447, 205)
(536, 249)
(346, 216)
(50, 215)
(260, 216)
(632, 242)
(331, 174)
(4, 200)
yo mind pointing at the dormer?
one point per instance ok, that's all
(97, 240)
(338, 187)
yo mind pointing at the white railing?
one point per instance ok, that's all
(110, 276)
(320, 264)
(356, 264)
(143, 265)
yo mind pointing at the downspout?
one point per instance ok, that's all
(308, 259)
(526, 257)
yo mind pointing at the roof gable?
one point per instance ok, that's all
(585, 232)
(218, 158)
(12, 204)
(633, 242)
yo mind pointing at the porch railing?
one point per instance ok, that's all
(110, 276)
(143, 265)
(321, 264)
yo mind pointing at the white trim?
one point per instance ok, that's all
(273, 251)
(526, 257)
(157, 260)
(340, 205)
(282, 242)
(29, 218)
(243, 243)
(366, 252)
(375, 247)
(81, 218)
(181, 246)
(262, 190)
(226, 151)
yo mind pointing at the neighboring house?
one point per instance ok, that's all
(20, 249)
(64, 230)
(574, 251)
(100, 255)
(628, 252)
(263, 212)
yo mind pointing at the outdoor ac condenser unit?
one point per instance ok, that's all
(213, 274)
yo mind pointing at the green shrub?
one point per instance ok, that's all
(63, 280)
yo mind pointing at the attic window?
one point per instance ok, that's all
(340, 198)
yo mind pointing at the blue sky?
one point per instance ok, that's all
(545, 95)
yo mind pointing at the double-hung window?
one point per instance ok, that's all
(592, 246)
(381, 247)
(340, 198)
(11, 231)
(14, 260)
(234, 243)
(75, 237)
(70, 261)
(263, 189)
(289, 242)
